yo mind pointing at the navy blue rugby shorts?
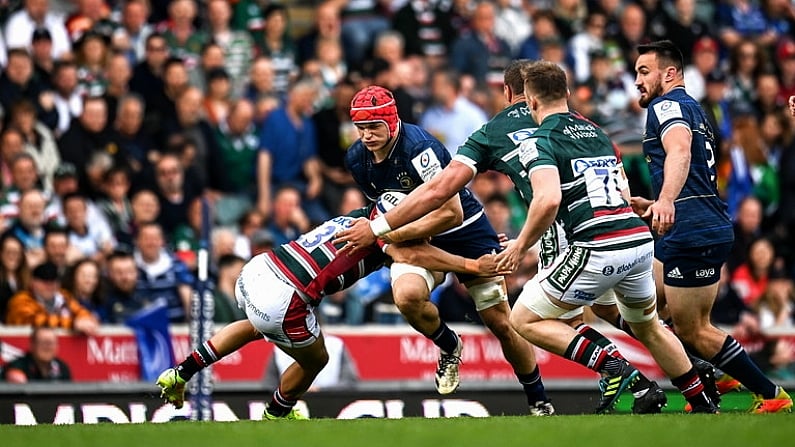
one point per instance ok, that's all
(691, 266)
(473, 241)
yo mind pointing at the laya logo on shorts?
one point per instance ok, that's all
(584, 296)
(705, 273)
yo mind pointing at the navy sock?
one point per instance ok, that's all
(444, 338)
(733, 360)
(533, 387)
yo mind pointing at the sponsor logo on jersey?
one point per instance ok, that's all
(666, 110)
(579, 131)
(521, 134)
(405, 180)
(527, 151)
(580, 165)
(608, 270)
(427, 164)
(705, 273)
(675, 274)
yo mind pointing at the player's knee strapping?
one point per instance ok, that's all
(488, 294)
(398, 269)
(638, 311)
(534, 298)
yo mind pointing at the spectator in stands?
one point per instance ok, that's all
(12, 143)
(583, 43)
(137, 148)
(260, 89)
(35, 14)
(480, 54)
(217, 101)
(327, 25)
(82, 281)
(88, 16)
(361, 20)
(17, 82)
(174, 193)
(766, 89)
(162, 277)
(247, 225)
(226, 308)
(718, 111)
(117, 74)
(14, 271)
(631, 33)
(452, 117)
(121, 294)
(747, 228)
(65, 182)
(38, 139)
(93, 239)
(23, 178)
(115, 204)
(288, 154)
(145, 209)
(683, 28)
(275, 42)
(189, 124)
(238, 142)
(91, 56)
(88, 141)
(288, 220)
(187, 235)
(570, 15)
(740, 20)
(262, 241)
(29, 225)
(498, 212)
(41, 363)
(237, 45)
(705, 57)
(785, 61)
(68, 102)
(46, 304)
(147, 78)
(544, 27)
(41, 54)
(131, 36)
(426, 29)
(58, 250)
(747, 170)
(746, 61)
(183, 39)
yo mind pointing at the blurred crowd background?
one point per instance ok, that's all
(120, 117)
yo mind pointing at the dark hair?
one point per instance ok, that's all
(118, 254)
(53, 231)
(666, 51)
(228, 260)
(74, 196)
(451, 76)
(545, 80)
(512, 76)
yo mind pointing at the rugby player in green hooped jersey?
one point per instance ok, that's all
(495, 146)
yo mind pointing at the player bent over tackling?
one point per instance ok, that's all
(280, 290)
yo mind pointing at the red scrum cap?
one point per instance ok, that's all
(375, 104)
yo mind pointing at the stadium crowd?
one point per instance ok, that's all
(120, 117)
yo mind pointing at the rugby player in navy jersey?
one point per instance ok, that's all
(280, 290)
(394, 156)
(494, 146)
(694, 230)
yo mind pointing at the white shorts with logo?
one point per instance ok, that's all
(274, 307)
(581, 275)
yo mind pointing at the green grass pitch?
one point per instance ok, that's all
(665, 430)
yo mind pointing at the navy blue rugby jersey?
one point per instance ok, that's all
(701, 215)
(416, 158)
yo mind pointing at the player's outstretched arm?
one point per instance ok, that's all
(425, 255)
(430, 195)
(450, 215)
